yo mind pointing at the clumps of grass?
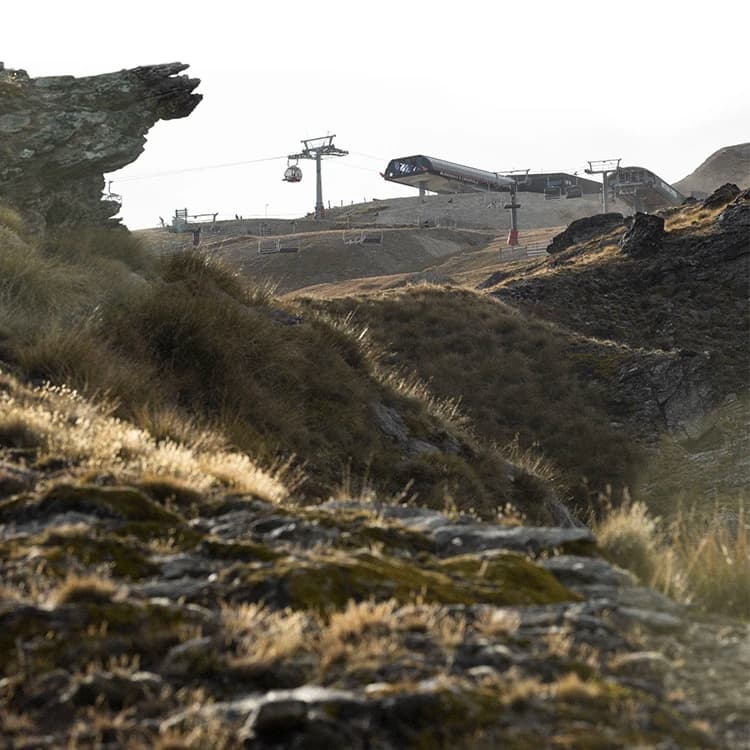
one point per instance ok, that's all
(203, 273)
(631, 538)
(107, 247)
(512, 375)
(88, 589)
(11, 219)
(18, 433)
(704, 561)
(184, 336)
(710, 562)
(65, 425)
(36, 289)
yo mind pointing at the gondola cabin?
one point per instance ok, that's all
(292, 174)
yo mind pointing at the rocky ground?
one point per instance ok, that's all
(216, 620)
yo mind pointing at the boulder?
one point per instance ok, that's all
(60, 134)
(722, 195)
(582, 230)
(645, 236)
(737, 214)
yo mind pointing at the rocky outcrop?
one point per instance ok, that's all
(645, 236)
(583, 230)
(60, 134)
(722, 195)
(736, 215)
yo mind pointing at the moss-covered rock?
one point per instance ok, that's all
(238, 551)
(126, 503)
(91, 548)
(328, 581)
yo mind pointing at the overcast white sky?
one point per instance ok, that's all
(495, 85)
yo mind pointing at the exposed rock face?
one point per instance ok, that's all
(60, 134)
(737, 214)
(582, 230)
(722, 195)
(645, 236)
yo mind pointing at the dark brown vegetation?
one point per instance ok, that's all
(513, 375)
(182, 343)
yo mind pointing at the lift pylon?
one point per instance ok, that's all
(317, 148)
(604, 167)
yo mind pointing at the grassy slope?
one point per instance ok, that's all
(181, 342)
(548, 368)
(512, 373)
(180, 346)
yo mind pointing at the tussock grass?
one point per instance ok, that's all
(512, 376)
(11, 219)
(186, 353)
(93, 245)
(632, 539)
(63, 424)
(84, 590)
(698, 559)
(708, 561)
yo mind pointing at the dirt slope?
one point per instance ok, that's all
(324, 256)
(478, 210)
(729, 164)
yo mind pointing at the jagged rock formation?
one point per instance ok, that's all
(644, 237)
(584, 229)
(663, 322)
(729, 164)
(60, 134)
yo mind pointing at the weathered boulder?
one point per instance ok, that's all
(722, 195)
(60, 134)
(645, 236)
(582, 230)
(737, 214)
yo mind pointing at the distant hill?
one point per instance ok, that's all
(728, 164)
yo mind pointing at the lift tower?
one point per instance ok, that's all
(317, 148)
(604, 167)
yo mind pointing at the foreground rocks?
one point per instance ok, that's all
(60, 134)
(234, 622)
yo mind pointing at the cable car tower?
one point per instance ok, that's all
(314, 148)
(604, 167)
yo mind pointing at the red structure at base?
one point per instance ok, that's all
(513, 237)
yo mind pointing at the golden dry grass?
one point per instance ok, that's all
(63, 424)
(698, 558)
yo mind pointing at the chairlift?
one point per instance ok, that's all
(372, 238)
(273, 245)
(292, 173)
(362, 237)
